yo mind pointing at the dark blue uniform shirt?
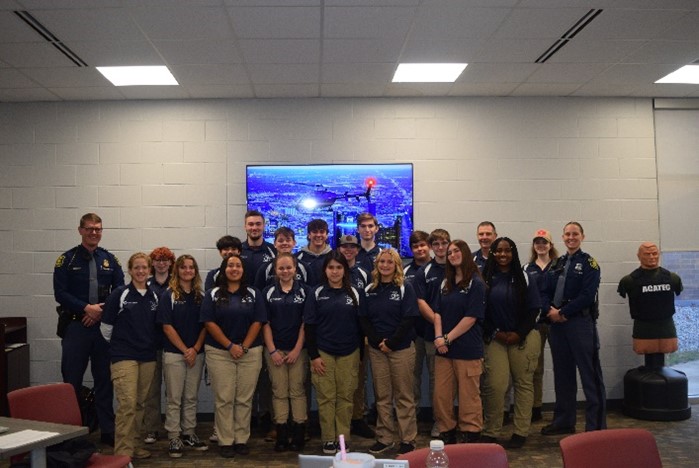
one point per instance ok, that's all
(254, 257)
(582, 283)
(265, 275)
(235, 316)
(183, 316)
(428, 287)
(503, 311)
(334, 317)
(132, 316)
(366, 258)
(387, 306)
(285, 313)
(453, 307)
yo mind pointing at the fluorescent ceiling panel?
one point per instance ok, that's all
(139, 76)
(428, 72)
(688, 74)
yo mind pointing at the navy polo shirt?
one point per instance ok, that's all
(210, 280)
(503, 310)
(254, 257)
(454, 306)
(335, 317)
(359, 276)
(313, 263)
(285, 313)
(410, 271)
(366, 258)
(582, 283)
(537, 274)
(132, 316)
(183, 316)
(265, 275)
(428, 287)
(235, 316)
(387, 306)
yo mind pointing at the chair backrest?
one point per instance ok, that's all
(611, 448)
(54, 403)
(463, 455)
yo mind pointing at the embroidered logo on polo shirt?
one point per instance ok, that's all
(394, 296)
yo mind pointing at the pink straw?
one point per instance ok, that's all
(343, 451)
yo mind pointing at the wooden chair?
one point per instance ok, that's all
(611, 448)
(57, 403)
(463, 456)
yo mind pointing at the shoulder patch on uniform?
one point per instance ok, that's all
(593, 263)
(59, 261)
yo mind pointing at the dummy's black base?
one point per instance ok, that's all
(656, 393)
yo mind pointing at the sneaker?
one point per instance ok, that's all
(516, 442)
(176, 448)
(241, 449)
(226, 451)
(536, 414)
(360, 428)
(405, 447)
(151, 438)
(379, 447)
(214, 436)
(271, 435)
(552, 429)
(329, 448)
(193, 442)
(434, 433)
(140, 454)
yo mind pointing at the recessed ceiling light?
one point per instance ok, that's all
(689, 74)
(138, 76)
(428, 72)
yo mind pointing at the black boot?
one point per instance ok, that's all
(282, 442)
(298, 437)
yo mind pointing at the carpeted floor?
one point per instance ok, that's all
(678, 443)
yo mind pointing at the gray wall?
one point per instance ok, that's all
(172, 173)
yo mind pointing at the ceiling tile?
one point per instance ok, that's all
(631, 24)
(154, 92)
(183, 23)
(512, 50)
(581, 50)
(566, 73)
(497, 72)
(11, 78)
(275, 22)
(283, 74)
(433, 50)
(368, 22)
(116, 53)
(203, 51)
(482, 89)
(88, 94)
(538, 23)
(33, 54)
(456, 20)
(212, 74)
(280, 50)
(102, 24)
(361, 50)
(286, 90)
(66, 77)
(675, 52)
(544, 89)
(14, 29)
(358, 72)
(26, 94)
(220, 91)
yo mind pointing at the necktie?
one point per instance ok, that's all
(93, 296)
(560, 285)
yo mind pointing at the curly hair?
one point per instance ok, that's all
(175, 285)
(519, 282)
(398, 277)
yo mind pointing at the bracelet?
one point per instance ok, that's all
(230, 345)
(272, 352)
(446, 340)
(438, 337)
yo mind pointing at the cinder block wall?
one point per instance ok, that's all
(173, 173)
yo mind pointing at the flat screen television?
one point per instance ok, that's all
(292, 195)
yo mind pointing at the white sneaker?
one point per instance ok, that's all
(435, 431)
(214, 436)
(151, 438)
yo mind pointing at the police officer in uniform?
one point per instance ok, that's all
(83, 277)
(569, 300)
(651, 290)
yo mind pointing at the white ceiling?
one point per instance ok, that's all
(347, 48)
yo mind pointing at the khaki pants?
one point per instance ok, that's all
(424, 351)
(393, 381)
(539, 372)
(520, 362)
(152, 418)
(132, 381)
(334, 392)
(182, 392)
(289, 386)
(233, 384)
(462, 376)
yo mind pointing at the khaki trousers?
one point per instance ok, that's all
(233, 384)
(334, 392)
(152, 418)
(182, 393)
(452, 376)
(288, 386)
(501, 362)
(393, 382)
(131, 381)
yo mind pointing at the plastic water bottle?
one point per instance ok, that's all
(437, 458)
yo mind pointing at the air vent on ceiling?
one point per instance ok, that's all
(570, 34)
(50, 38)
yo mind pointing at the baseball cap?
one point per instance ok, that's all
(349, 239)
(543, 234)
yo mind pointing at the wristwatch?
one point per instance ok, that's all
(245, 350)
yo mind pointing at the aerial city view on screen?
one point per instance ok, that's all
(293, 195)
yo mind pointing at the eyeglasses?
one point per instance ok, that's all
(440, 244)
(96, 230)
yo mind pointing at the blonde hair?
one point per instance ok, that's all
(136, 256)
(175, 286)
(398, 276)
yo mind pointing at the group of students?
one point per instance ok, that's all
(330, 312)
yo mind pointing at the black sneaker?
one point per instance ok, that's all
(404, 448)
(226, 451)
(360, 428)
(552, 429)
(536, 414)
(379, 447)
(448, 437)
(241, 449)
(329, 448)
(193, 442)
(176, 448)
(516, 442)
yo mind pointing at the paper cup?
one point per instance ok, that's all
(354, 460)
